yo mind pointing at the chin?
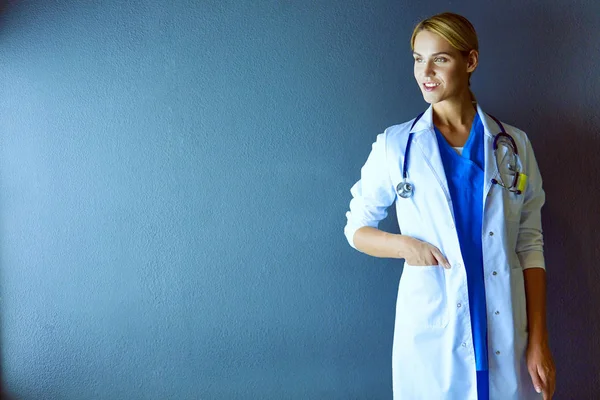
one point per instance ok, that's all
(431, 99)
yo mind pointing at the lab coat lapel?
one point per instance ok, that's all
(428, 146)
(489, 126)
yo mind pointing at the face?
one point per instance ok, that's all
(441, 71)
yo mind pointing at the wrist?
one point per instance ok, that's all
(538, 337)
(401, 244)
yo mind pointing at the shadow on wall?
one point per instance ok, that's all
(555, 98)
(570, 220)
(567, 148)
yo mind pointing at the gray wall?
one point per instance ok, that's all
(174, 178)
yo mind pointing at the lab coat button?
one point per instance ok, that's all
(491, 233)
(497, 312)
(494, 273)
(458, 305)
(464, 344)
(497, 351)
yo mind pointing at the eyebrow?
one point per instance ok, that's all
(434, 54)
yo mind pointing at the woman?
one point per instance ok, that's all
(470, 314)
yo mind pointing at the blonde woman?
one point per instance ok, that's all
(470, 313)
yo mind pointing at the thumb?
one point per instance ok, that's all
(536, 380)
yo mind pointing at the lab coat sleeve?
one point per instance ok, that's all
(372, 194)
(530, 240)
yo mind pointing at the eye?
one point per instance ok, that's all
(441, 59)
(418, 59)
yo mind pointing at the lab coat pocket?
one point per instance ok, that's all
(422, 300)
(513, 204)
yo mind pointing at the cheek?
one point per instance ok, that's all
(418, 71)
(453, 76)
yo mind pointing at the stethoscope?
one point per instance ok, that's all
(406, 189)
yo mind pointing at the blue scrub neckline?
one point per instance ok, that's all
(466, 153)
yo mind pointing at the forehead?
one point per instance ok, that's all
(427, 42)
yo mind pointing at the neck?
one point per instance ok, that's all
(455, 112)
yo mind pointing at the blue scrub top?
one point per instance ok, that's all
(465, 176)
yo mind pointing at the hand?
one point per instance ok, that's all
(422, 253)
(541, 367)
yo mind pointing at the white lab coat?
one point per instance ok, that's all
(433, 356)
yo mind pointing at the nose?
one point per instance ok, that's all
(428, 69)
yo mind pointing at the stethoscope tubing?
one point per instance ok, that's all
(498, 136)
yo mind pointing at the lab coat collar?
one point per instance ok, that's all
(428, 144)
(489, 124)
(425, 123)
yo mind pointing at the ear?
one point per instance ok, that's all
(472, 60)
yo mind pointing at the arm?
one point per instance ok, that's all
(530, 252)
(371, 197)
(539, 357)
(378, 243)
(530, 240)
(530, 249)
(535, 292)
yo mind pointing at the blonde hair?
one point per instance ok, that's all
(456, 29)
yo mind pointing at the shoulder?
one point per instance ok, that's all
(398, 131)
(396, 136)
(519, 136)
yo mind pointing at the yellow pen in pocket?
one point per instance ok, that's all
(522, 183)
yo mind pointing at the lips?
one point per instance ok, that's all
(430, 86)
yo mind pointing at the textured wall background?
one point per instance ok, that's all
(174, 178)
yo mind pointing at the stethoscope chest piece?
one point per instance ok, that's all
(405, 189)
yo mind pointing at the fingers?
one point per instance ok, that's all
(546, 394)
(441, 259)
(542, 374)
(547, 379)
(536, 380)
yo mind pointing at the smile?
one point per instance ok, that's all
(429, 86)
